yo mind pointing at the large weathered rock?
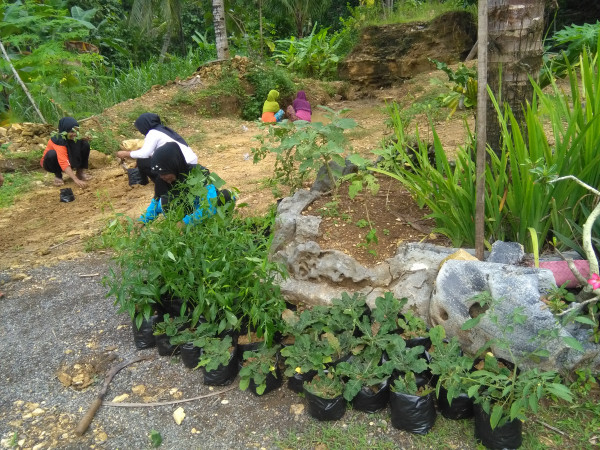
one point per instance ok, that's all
(515, 289)
(319, 275)
(387, 54)
(99, 160)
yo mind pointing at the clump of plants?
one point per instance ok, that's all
(302, 148)
(263, 78)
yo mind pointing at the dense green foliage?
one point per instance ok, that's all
(518, 196)
(77, 58)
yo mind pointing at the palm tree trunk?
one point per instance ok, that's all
(514, 52)
(220, 29)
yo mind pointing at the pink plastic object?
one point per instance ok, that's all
(563, 274)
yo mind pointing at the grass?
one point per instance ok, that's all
(557, 425)
(409, 11)
(16, 184)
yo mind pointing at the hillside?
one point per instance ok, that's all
(39, 230)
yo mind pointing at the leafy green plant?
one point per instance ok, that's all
(463, 88)
(449, 363)
(312, 56)
(558, 299)
(170, 325)
(363, 370)
(412, 326)
(257, 365)
(564, 49)
(219, 267)
(326, 385)
(407, 384)
(193, 333)
(510, 394)
(330, 209)
(306, 354)
(406, 359)
(215, 351)
(301, 148)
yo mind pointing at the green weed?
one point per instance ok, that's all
(16, 184)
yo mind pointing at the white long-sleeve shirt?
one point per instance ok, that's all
(155, 139)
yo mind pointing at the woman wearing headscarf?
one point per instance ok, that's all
(150, 125)
(64, 152)
(171, 170)
(302, 107)
(271, 110)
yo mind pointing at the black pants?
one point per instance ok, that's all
(79, 156)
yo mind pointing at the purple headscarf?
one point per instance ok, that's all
(300, 103)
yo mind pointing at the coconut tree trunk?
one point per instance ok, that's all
(220, 29)
(514, 52)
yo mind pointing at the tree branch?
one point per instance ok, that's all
(14, 71)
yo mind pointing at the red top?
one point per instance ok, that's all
(61, 153)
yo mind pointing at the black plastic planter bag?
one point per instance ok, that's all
(164, 346)
(461, 407)
(66, 195)
(144, 336)
(369, 401)
(190, 355)
(413, 413)
(508, 436)
(325, 408)
(134, 176)
(296, 383)
(172, 306)
(273, 382)
(223, 375)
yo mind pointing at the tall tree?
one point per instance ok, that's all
(515, 52)
(220, 29)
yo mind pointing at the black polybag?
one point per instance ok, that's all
(296, 383)
(66, 195)
(460, 408)
(190, 355)
(273, 381)
(164, 346)
(134, 176)
(224, 374)
(369, 401)
(144, 336)
(412, 413)
(325, 408)
(508, 436)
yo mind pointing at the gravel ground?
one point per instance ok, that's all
(59, 335)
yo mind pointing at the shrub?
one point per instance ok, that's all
(262, 79)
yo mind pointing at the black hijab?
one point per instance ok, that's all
(168, 158)
(65, 125)
(151, 121)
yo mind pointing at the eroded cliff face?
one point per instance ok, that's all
(389, 54)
